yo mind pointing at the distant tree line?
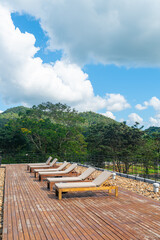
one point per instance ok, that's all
(60, 130)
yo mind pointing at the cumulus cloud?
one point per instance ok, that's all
(109, 114)
(153, 102)
(1, 111)
(155, 121)
(133, 118)
(111, 32)
(116, 102)
(24, 78)
(141, 107)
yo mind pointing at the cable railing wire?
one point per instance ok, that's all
(137, 166)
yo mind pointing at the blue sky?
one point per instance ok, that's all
(106, 60)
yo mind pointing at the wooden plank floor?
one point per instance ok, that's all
(32, 212)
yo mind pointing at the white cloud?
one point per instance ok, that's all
(25, 79)
(153, 102)
(109, 114)
(155, 121)
(1, 111)
(133, 118)
(116, 102)
(111, 32)
(140, 107)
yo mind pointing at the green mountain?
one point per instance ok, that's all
(94, 118)
(11, 113)
(15, 110)
(152, 130)
(89, 117)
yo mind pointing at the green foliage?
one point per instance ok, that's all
(12, 113)
(95, 118)
(152, 130)
(15, 110)
(62, 131)
(116, 140)
(44, 128)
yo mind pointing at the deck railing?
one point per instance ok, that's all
(137, 166)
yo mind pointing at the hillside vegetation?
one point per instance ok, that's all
(60, 130)
(89, 117)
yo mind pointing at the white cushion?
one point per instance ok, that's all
(62, 166)
(46, 170)
(75, 185)
(64, 179)
(102, 178)
(87, 173)
(40, 166)
(51, 173)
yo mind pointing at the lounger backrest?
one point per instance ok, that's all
(87, 173)
(62, 166)
(102, 178)
(53, 162)
(70, 168)
(48, 160)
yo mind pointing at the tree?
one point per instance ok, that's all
(116, 140)
(52, 128)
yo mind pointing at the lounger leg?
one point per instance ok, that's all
(50, 186)
(60, 195)
(109, 191)
(41, 178)
(56, 193)
(116, 191)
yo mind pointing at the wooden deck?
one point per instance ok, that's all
(32, 212)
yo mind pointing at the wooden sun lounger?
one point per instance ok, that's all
(97, 184)
(60, 168)
(39, 164)
(80, 178)
(51, 165)
(67, 172)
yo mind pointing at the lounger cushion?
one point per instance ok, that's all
(87, 173)
(46, 170)
(40, 166)
(75, 185)
(52, 169)
(64, 179)
(55, 173)
(46, 163)
(62, 166)
(102, 178)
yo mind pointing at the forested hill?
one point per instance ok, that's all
(94, 118)
(152, 130)
(89, 117)
(61, 130)
(11, 113)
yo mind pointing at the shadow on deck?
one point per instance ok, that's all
(32, 212)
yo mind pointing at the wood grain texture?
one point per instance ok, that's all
(31, 212)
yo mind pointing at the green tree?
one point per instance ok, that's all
(116, 140)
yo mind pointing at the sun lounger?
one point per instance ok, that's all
(39, 164)
(51, 165)
(80, 178)
(98, 183)
(61, 167)
(67, 172)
